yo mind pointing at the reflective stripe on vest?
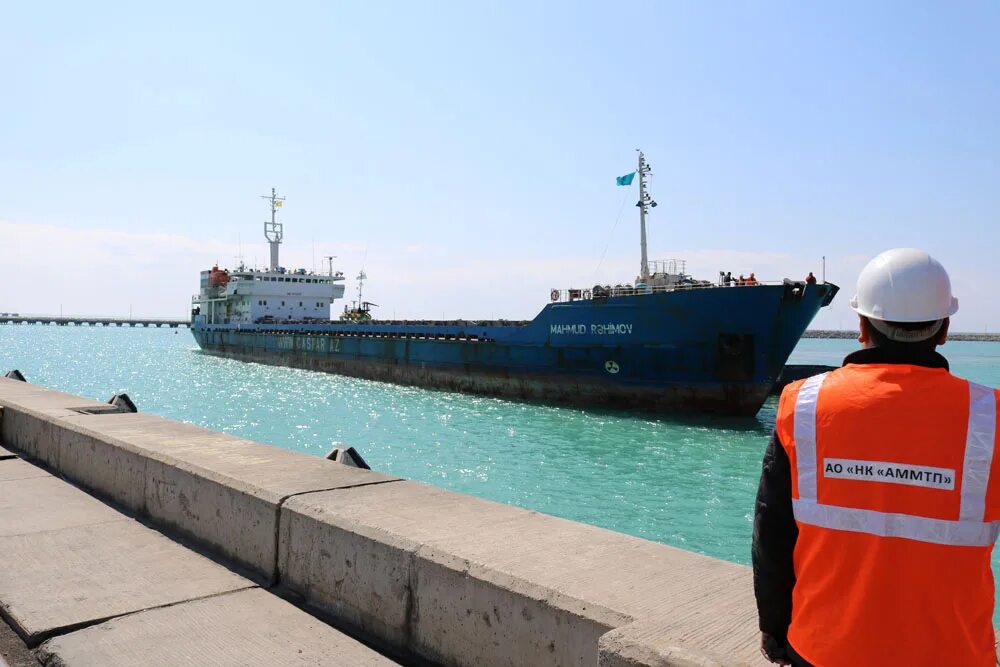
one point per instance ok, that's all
(968, 530)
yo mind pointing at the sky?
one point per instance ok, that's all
(464, 154)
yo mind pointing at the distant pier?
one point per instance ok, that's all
(94, 321)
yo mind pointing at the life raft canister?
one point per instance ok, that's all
(218, 277)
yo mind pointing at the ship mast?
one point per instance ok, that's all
(274, 231)
(361, 284)
(645, 203)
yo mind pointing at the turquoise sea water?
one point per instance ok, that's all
(685, 481)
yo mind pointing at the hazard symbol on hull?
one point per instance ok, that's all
(611, 367)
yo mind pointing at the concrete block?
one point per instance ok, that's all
(29, 434)
(112, 469)
(491, 584)
(28, 415)
(57, 580)
(415, 566)
(656, 642)
(466, 613)
(251, 628)
(220, 490)
(217, 489)
(357, 573)
(13, 392)
(44, 503)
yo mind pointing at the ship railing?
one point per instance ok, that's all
(585, 294)
(671, 266)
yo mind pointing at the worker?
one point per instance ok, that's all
(741, 281)
(877, 510)
(810, 279)
(752, 280)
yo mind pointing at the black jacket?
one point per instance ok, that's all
(774, 529)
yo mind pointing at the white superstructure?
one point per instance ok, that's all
(273, 295)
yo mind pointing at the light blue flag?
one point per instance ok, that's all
(626, 179)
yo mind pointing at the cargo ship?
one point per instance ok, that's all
(665, 342)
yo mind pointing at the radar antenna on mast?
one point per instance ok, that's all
(361, 283)
(645, 203)
(274, 230)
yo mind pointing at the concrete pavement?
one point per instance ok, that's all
(248, 628)
(92, 587)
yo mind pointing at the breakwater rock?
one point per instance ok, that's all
(831, 333)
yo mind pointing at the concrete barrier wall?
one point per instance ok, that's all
(219, 490)
(454, 579)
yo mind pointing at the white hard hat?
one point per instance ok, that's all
(904, 285)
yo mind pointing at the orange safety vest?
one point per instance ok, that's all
(895, 494)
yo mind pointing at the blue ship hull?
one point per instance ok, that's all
(717, 349)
